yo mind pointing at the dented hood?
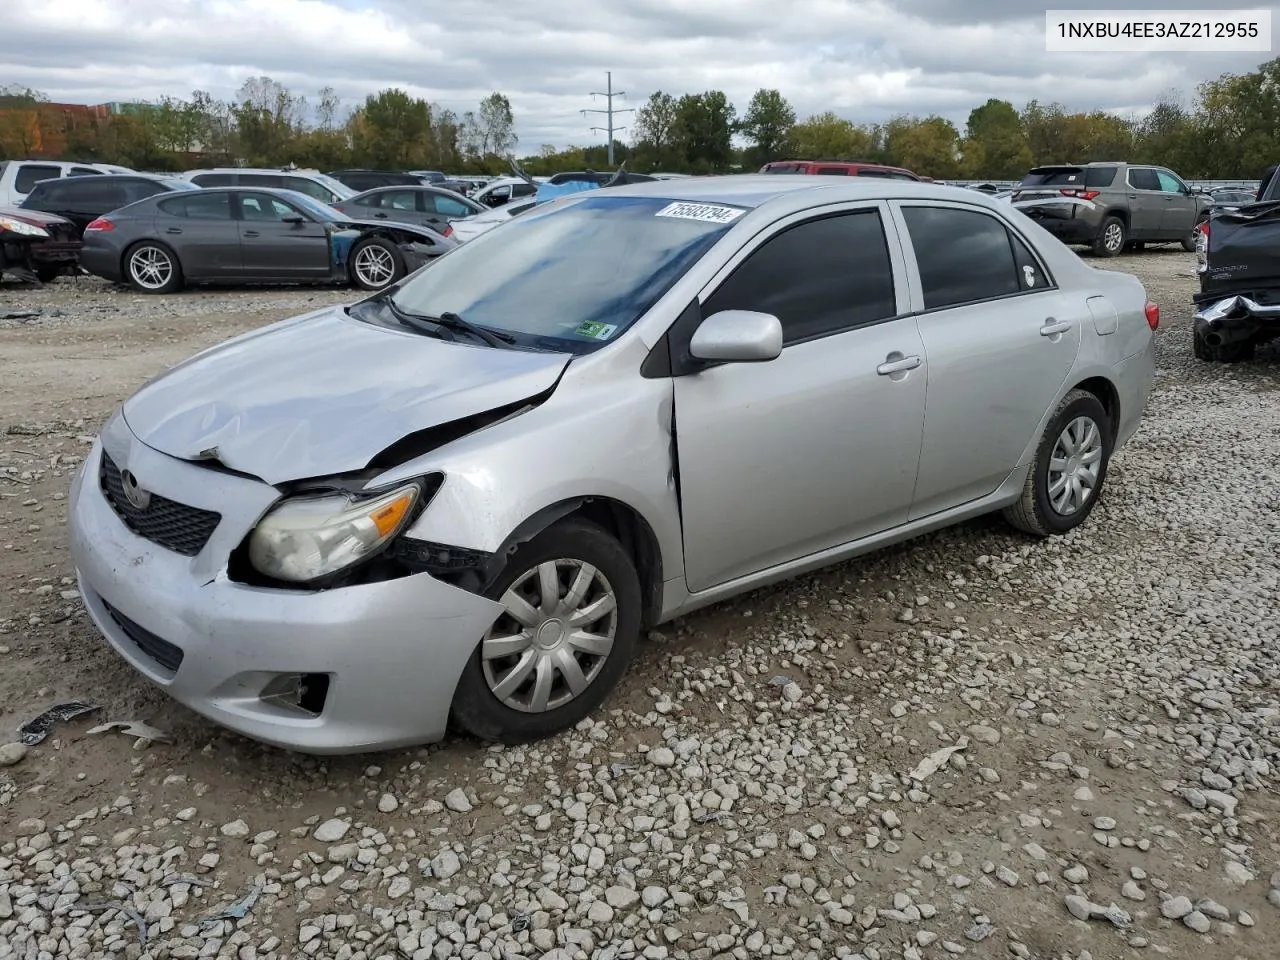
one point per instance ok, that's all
(324, 394)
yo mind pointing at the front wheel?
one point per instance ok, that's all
(570, 623)
(1069, 470)
(1189, 241)
(152, 268)
(376, 263)
(1110, 239)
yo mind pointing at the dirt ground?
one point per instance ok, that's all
(1046, 649)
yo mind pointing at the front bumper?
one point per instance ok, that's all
(391, 651)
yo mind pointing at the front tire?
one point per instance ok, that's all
(570, 626)
(1189, 241)
(375, 263)
(1111, 238)
(1069, 470)
(152, 267)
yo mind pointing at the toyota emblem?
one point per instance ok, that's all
(138, 498)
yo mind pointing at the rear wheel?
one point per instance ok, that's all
(1070, 468)
(571, 620)
(152, 268)
(1189, 241)
(376, 263)
(1111, 238)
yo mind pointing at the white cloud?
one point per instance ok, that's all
(866, 59)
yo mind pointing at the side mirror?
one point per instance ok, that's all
(737, 336)
(294, 218)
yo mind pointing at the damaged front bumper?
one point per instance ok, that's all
(1237, 318)
(346, 670)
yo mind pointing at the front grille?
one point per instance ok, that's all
(172, 525)
(161, 651)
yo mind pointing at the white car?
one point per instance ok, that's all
(505, 190)
(472, 227)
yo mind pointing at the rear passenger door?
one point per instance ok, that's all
(1146, 204)
(820, 446)
(198, 225)
(1000, 340)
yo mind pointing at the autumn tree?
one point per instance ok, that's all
(21, 121)
(267, 119)
(825, 136)
(392, 129)
(767, 125)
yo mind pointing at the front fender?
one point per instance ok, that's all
(605, 441)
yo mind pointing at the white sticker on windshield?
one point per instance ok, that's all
(706, 212)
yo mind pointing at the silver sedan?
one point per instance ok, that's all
(468, 496)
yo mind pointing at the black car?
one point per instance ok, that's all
(371, 179)
(83, 199)
(430, 206)
(246, 235)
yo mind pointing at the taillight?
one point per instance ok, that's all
(1082, 194)
(1203, 227)
(448, 231)
(1153, 315)
(101, 224)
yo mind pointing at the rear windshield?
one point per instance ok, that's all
(1070, 177)
(574, 274)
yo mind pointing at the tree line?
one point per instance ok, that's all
(1229, 129)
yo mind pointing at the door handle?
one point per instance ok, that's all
(897, 363)
(173, 230)
(1054, 327)
(251, 233)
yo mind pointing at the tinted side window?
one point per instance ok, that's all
(449, 207)
(817, 277)
(29, 174)
(1143, 178)
(304, 186)
(1100, 176)
(47, 191)
(261, 180)
(963, 255)
(141, 189)
(212, 179)
(198, 206)
(1031, 275)
(833, 171)
(98, 194)
(523, 190)
(84, 172)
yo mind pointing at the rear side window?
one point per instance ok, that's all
(261, 180)
(213, 179)
(304, 186)
(833, 171)
(198, 206)
(964, 256)
(141, 189)
(1100, 176)
(84, 172)
(819, 277)
(94, 192)
(47, 191)
(1143, 178)
(29, 174)
(449, 207)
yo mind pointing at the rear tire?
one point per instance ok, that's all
(151, 267)
(1069, 471)
(375, 263)
(1223, 353)
(501, 695)
(1111, 238)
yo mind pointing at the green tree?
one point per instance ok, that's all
(654, 132)
(268, 118)
(928, 146)
(995, 145)
(767, 125)
(704, 131)
(825, 136)
(392, 130)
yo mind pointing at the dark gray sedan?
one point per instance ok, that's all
(251, 236)
(430, 206)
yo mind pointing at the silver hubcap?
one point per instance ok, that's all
(1074, 466)
(150, 267)
(553, 638)
(1114, 236)
(374, 266)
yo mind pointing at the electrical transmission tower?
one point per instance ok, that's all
(610, 129)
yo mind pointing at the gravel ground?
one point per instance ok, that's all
(972, 744)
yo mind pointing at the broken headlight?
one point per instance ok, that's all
(306, 538)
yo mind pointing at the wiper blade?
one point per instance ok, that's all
(453, 321)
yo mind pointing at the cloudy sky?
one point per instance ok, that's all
(865, 59)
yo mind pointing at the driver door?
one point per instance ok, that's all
(820, 446)
(280, 242)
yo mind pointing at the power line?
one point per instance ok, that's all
(610, 129)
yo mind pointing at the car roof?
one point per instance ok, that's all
(753, 190)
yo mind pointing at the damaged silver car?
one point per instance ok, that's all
(465, 498)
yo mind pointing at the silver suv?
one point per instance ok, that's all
(312, 183)
(1111, 206)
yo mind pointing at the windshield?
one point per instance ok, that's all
(579, 272)
(320, 211)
